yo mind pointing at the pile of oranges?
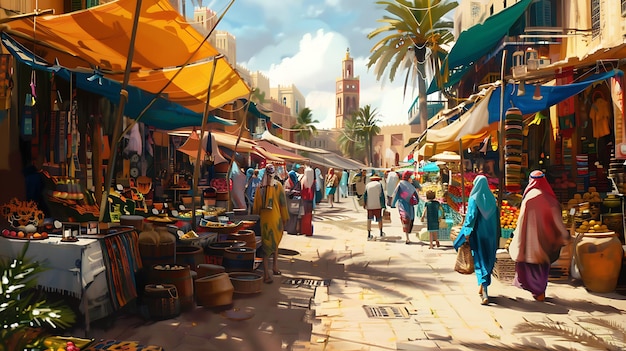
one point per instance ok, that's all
(508, 215)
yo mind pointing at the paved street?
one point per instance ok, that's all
(339, 291)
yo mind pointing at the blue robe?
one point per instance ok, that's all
(481, 225)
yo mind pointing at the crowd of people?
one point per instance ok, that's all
(286, 204)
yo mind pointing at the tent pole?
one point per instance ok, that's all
(196, 168)
(232, 159)
(191, 56)
(462, 166)
(501, 139)
(117, 131)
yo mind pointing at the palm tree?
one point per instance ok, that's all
(413, 38)
(366, 120)
(305, 126)
(350, 142)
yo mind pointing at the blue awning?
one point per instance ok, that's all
(551, 95)
(163, 114)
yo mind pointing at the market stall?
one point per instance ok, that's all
(99, 270)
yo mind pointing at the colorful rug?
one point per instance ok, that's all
(116, 345)
(122, 261)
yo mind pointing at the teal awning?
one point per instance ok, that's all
(479, 40)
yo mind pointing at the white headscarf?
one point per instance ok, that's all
(308, 179)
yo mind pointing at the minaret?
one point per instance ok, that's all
(347, 92)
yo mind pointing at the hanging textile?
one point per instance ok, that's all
(513, 124)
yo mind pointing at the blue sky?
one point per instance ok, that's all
(302, 42)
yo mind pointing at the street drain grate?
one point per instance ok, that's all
(306, 283)
(386, 312)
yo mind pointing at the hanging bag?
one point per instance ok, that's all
(464, 261)
(442, 219)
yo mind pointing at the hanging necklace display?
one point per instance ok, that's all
(27, 123)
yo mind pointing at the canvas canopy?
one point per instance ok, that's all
(228, 141)
(96, 42)
(332, 160)
(162, 114)
(278, 152)
(289, 145)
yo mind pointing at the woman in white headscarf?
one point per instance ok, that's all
(308, 201)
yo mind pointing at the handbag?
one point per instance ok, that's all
(414, 199)
(442, 223)
(464, 261)
(386, 216)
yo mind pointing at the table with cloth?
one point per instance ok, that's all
(97, 270)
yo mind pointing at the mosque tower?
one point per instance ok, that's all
(347, 92)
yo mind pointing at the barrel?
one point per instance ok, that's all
(214, 290)
(178, 275)
(153, 254)
(215, 251)
(189, 255)
(162, 301)
(245, 235)
(239, 259)
(132, 221)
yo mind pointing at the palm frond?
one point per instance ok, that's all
(567, 333)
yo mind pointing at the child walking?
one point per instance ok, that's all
(431, 213)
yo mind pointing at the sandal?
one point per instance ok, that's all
(277, 272)
(408, 241)
(268, 280)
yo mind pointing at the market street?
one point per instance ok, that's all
(337, 287)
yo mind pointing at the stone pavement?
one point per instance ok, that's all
(339, 291)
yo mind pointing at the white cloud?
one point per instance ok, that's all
(304, 42)
(314, 70)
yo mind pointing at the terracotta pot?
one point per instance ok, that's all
(599, 260)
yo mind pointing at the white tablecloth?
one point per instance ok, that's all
(70, 266)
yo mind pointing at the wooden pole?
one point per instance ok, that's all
(462, 166)
(196, 168)
(501, 138)
(117, 131)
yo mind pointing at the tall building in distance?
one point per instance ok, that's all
(347, 92)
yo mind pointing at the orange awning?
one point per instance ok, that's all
(99, 38)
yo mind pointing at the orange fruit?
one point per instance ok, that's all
(37, 236)
(20, 234)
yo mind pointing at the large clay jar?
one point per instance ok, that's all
(599, 260)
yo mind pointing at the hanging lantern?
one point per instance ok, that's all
(537, 95)
(521, 90)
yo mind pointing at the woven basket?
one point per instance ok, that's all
(504, 269)
(162, 301)
(246, 282)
